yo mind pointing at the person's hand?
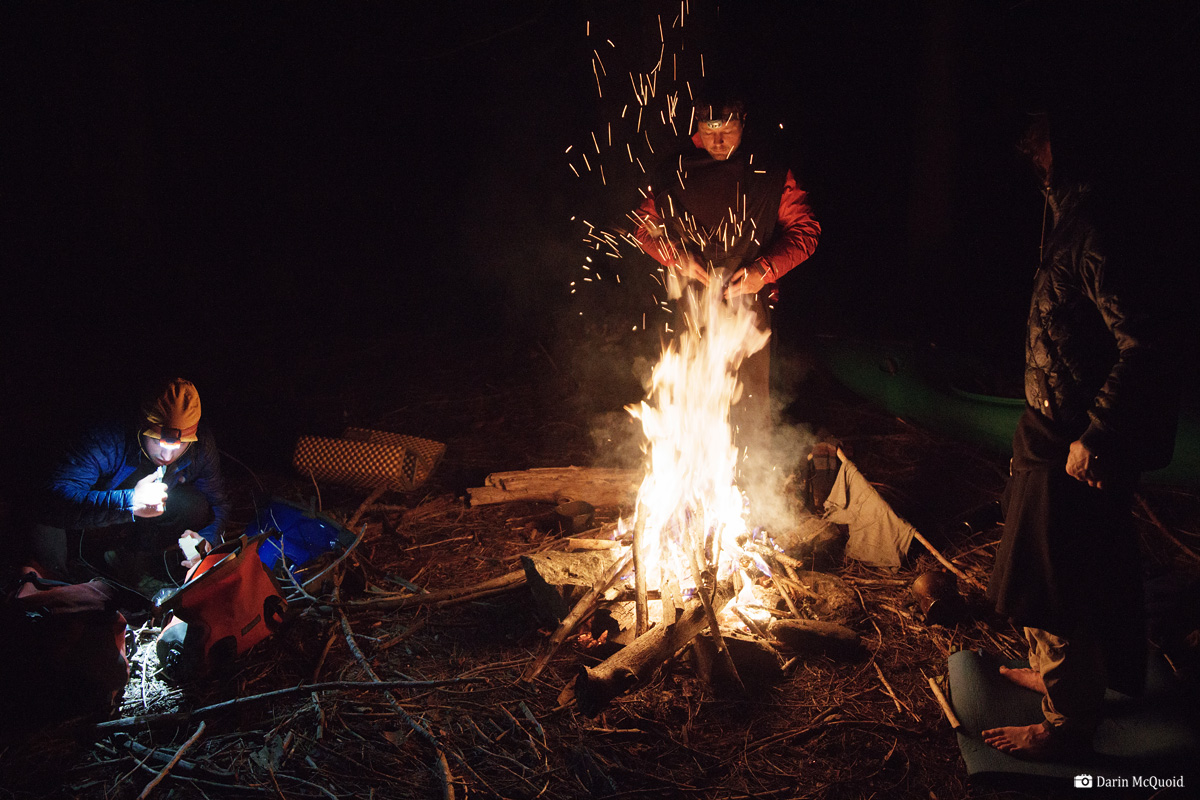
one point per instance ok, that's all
(748, 280)
(1084, 465)
(149, 496)
(690, 268)
(192, 542)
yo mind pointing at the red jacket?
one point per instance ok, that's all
(791, 230)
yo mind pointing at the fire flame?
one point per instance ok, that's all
(693, 513)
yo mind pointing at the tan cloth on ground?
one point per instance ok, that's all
(877, 535)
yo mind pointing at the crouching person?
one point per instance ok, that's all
(127, 493)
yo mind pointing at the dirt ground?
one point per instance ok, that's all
(466, 726)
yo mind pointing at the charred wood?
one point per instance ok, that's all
(596, 687)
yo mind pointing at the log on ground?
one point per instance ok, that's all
(600, 487)
(632, 666)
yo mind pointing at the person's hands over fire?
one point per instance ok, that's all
(690, 269)
(749, 280)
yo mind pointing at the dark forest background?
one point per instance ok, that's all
(272, 198)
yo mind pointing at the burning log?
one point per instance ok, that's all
(600, 487)
(584, 607)
(557, 580)
(810, 637)
(596, 686)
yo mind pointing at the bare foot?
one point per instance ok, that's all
(1026, 678)
(1025, 741)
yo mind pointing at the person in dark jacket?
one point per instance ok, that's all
(129, 491)
(731, 215)
(1068, 569)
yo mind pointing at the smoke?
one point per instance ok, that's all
(771, 471)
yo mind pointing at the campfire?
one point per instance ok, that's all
(691, 518)
(689, 559)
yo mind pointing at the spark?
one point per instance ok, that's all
(596, 143)
(601, 62)
(572, 166)
(610, 134)
(568, 148)
(702, 65)
(629, 151)
(648, 142)
(586, 163)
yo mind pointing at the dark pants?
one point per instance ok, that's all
(141, 545)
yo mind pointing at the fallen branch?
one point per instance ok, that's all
(600, 487)
(946, 562)
(174, 760)
(417, 727)
(173, 718)
(584, 607)
(375, 494)
(445, 596)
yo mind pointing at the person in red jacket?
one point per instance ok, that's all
(732, 215)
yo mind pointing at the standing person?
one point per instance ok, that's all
(1068, 567)
(731, 215)
(129, 490)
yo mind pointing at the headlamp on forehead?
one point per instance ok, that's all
(714, 117)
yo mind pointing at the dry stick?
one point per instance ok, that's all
(150, 721)
(641, 609)
(581, 610)
(447, 778)
(901, 707)
(174, 760)
(420, 729)
(345, 554)
(787, 596)
(946, 709)
(946, 563)
(375, 494)
(1156, 522)
(445, 596)
(713, 625)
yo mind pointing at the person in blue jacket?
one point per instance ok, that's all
(127, 492)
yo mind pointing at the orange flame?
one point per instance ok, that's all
(692, 506)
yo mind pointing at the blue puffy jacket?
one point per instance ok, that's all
(82, 490)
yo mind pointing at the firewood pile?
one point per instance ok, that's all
(429, 668)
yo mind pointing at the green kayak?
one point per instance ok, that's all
(921, 384)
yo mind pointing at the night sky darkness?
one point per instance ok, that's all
(262, 196)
